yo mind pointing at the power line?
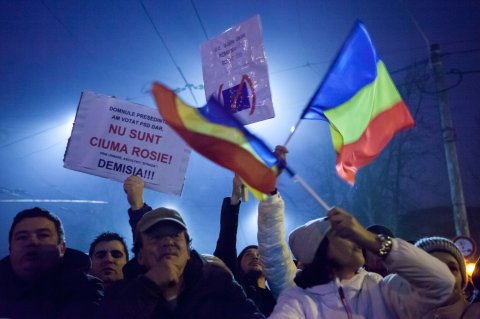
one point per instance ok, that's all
(417, 26)
(168, 51)
(470, 72)
(460, 52)
(74, 201)
(72, 35)
(42, 150)
(456, 72)
(410, 66)
(32, 135)
(199, 19)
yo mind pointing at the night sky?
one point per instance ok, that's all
(51, 51)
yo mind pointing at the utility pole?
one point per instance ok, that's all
(448, 134)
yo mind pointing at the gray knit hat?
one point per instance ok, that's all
(432, 244)
(305, 240)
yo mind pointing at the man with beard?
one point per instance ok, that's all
(108, 253)
(246, 267)
(41, 278)
(177, 282)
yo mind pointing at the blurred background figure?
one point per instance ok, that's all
(457, 305)
(476, 282)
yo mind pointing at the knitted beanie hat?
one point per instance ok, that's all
(432, 244)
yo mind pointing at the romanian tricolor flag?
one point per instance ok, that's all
(360, 101)
(220, 137)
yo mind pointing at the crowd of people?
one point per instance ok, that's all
(331, 267)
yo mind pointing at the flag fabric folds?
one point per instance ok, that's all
(220, 137)
(360, 101)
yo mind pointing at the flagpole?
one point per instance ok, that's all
(307, 187)
(292, 130)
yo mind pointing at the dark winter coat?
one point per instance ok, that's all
(210, 292)
(226, 250)
(65, 292)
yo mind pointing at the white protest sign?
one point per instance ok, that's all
(115, 139)
(235, 72)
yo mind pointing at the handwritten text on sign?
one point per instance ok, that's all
(235, 72)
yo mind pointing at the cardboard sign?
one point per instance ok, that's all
(235, 72)
(115, 139)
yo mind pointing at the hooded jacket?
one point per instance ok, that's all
(226, 250)
(420, 284)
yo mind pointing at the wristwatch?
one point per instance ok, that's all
(385, 245)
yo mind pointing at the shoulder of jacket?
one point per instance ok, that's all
(472, 311)
(212, 262)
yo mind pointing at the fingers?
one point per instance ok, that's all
(133, 187)
(343, 223)
(281, 151)
(164, 274)
(237, 190)
(237, 181)
(133, 182)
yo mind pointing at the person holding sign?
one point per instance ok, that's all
(247, 268)
(133, 187)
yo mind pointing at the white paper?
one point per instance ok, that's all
(235, 72)
(115, 139)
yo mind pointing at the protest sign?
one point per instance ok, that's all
(235, 72)
(115, 139)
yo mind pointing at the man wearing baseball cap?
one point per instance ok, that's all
(178, 282)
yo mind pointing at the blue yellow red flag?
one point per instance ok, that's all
(360, 101)
(219, 136)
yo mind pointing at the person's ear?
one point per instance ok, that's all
(62, 248)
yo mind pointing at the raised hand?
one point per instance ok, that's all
(133, 187)
(237, 190)
(347, 226)
(281, 152)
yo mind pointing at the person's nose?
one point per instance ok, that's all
(168, 241)
(33, 240)
(109, 257)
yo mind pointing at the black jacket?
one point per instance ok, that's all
(226, 250)
(65, 292)
(210, 292)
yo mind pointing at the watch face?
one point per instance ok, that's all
(466, 246)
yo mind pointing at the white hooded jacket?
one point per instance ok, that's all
(420, 284)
